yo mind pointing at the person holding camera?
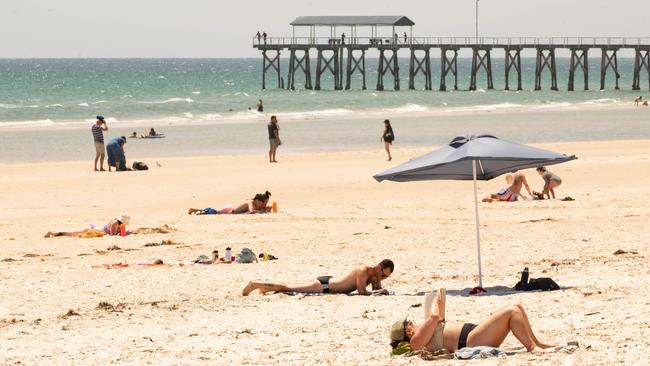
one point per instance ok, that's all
(98, 135)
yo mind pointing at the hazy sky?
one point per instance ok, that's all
(218, 28)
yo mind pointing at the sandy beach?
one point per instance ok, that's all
(332, 216)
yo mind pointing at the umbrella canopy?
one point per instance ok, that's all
(493, 156)
(473, 157)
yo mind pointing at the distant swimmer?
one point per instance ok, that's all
(153, 132)
(260, 106)
(134, 135)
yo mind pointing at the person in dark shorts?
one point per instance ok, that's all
(436, 334)
(98, 136)
(274, 138)
(357, 279)
(388, 137)
(260, 106)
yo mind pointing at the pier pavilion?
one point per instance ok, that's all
(343, 54)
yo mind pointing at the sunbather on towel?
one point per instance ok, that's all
(436, 334)
(357, 279)
(257, 204)
(112, 228)
(515, 182)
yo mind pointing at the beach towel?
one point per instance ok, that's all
(92, 233)
(112, 266)
(468, 353)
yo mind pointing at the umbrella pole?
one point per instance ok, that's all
(478, 237)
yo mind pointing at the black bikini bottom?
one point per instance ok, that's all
(462, 340)
(325, 282)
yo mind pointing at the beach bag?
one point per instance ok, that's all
(542, 283)
(246, 256)
(138, 165)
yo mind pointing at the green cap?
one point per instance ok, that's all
(397, 330)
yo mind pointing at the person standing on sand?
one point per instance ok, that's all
(98, 135)
(388, 137)
(274, 138)
(357, 279)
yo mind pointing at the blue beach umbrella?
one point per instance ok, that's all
(473, 157)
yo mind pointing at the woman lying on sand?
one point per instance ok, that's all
(435, 334)
(515, 182)
(258, 204)
(112, 228)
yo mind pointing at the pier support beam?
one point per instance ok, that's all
(301, 63)
(422, 65)
(608, 60)
(448, 64)
(545, 59)
(579, 60)
(331, 63)
(641, 62)
(388, 65)
(513, 60)
(268, 63)
(356, 64)
(481, 60)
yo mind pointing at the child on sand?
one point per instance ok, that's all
(551, 181)
(112, 228)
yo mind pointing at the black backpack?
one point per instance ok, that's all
(138, 165)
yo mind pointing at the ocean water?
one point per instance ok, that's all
(47, 106)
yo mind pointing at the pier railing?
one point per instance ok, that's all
(344, 56)
(454, 41)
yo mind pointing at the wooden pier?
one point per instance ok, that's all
(344, 55)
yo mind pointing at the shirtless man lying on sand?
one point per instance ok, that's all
(357, 279)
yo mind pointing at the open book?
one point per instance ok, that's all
(428, 303)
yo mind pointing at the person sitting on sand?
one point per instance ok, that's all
(515, 181)
(551, 181)
(357, 279)
(436, 334)
(256, 205)
(112, 228)
(638, 100)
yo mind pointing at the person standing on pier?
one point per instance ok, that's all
(405, 38)
(259, 37)
(264, 36)
(388, 137)
(274, 138)
(343, 38)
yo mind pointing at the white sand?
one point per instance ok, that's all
(333, 216)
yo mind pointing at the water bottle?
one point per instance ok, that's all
(524, 276)
(228, 256)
